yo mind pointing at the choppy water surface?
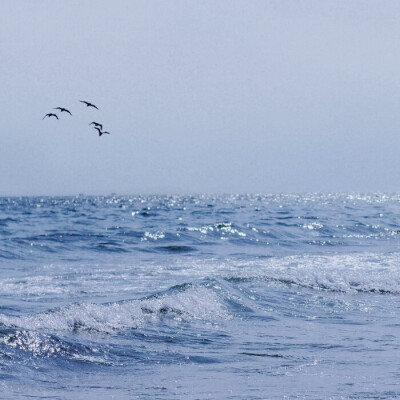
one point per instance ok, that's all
(195, 297)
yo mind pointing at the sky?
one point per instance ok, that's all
(227, 96)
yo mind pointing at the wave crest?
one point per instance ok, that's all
(193, 302)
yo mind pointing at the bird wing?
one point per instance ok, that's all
(45, 116)
(82, 101)
(69, 112)
(54, 115)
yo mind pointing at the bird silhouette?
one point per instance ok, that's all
(62, 109)
(96, 124)
(88, 104)
(100, 132)
(50, 115)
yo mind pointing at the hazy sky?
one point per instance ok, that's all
(200, 96)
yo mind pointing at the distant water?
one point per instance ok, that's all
(200, 297)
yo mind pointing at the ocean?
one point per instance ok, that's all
(200, 297)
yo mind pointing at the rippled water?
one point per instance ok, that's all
(195, 297)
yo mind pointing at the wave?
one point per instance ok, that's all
(357, 273)
(222, 292)
(183, 303)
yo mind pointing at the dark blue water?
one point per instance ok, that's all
(198, 297)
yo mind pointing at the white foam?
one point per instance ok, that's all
(346, 273)
(193, 303)
(32, 342)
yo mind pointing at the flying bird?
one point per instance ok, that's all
(62, 109)
(50, 115)
(100, 132)
(88, 104)
(96, 124)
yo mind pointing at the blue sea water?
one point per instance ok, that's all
(200, 297)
